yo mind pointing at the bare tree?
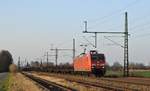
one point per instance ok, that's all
(117, 66)
(140, 66)
(134, 65)
(107, 66)
(35, 64)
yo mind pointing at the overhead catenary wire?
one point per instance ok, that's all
(119, 11)
(88, 41)
(64, 43)
(140, 30)
(144, 26)
(116, 27)
(139, 25)
(102, 22)
(133, 21)
(115, 12)
(114, 42)
(141, 36)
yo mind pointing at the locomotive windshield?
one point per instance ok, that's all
(97, 57)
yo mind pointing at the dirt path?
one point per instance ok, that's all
(3, 76)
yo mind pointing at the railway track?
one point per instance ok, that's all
(102, 85)
(107, 84)
(47, 85)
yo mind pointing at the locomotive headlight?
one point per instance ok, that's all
(102, 64)
(93, 64)
(93, 67)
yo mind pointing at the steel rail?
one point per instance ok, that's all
(95, 84)
(50, 86)
(105, 83)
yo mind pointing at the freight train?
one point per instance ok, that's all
(86, 63)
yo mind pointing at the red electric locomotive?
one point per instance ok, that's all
(91, 62)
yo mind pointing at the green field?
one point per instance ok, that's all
(137, 73)
(140, 73)
(111, 73)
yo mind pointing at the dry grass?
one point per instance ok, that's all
(13, 68)
(21, 83)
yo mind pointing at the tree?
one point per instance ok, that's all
(35, 64)
(149, 65)
(140, 66)
(5, 60)
(116, 66)
(132, 65)
(107, 66)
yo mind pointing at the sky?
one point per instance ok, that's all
(29, 28)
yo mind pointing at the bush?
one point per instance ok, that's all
(13, 68)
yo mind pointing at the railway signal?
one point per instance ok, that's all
(125, 33)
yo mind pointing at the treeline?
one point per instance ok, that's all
(116, 65)
(132, 66)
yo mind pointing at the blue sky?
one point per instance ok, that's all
(29, 27)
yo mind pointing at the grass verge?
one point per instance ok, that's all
(136, 73)
(141, 74)
(111, 73)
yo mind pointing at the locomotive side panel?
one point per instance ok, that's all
(83, 63)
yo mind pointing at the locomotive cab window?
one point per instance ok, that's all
(97, 57)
